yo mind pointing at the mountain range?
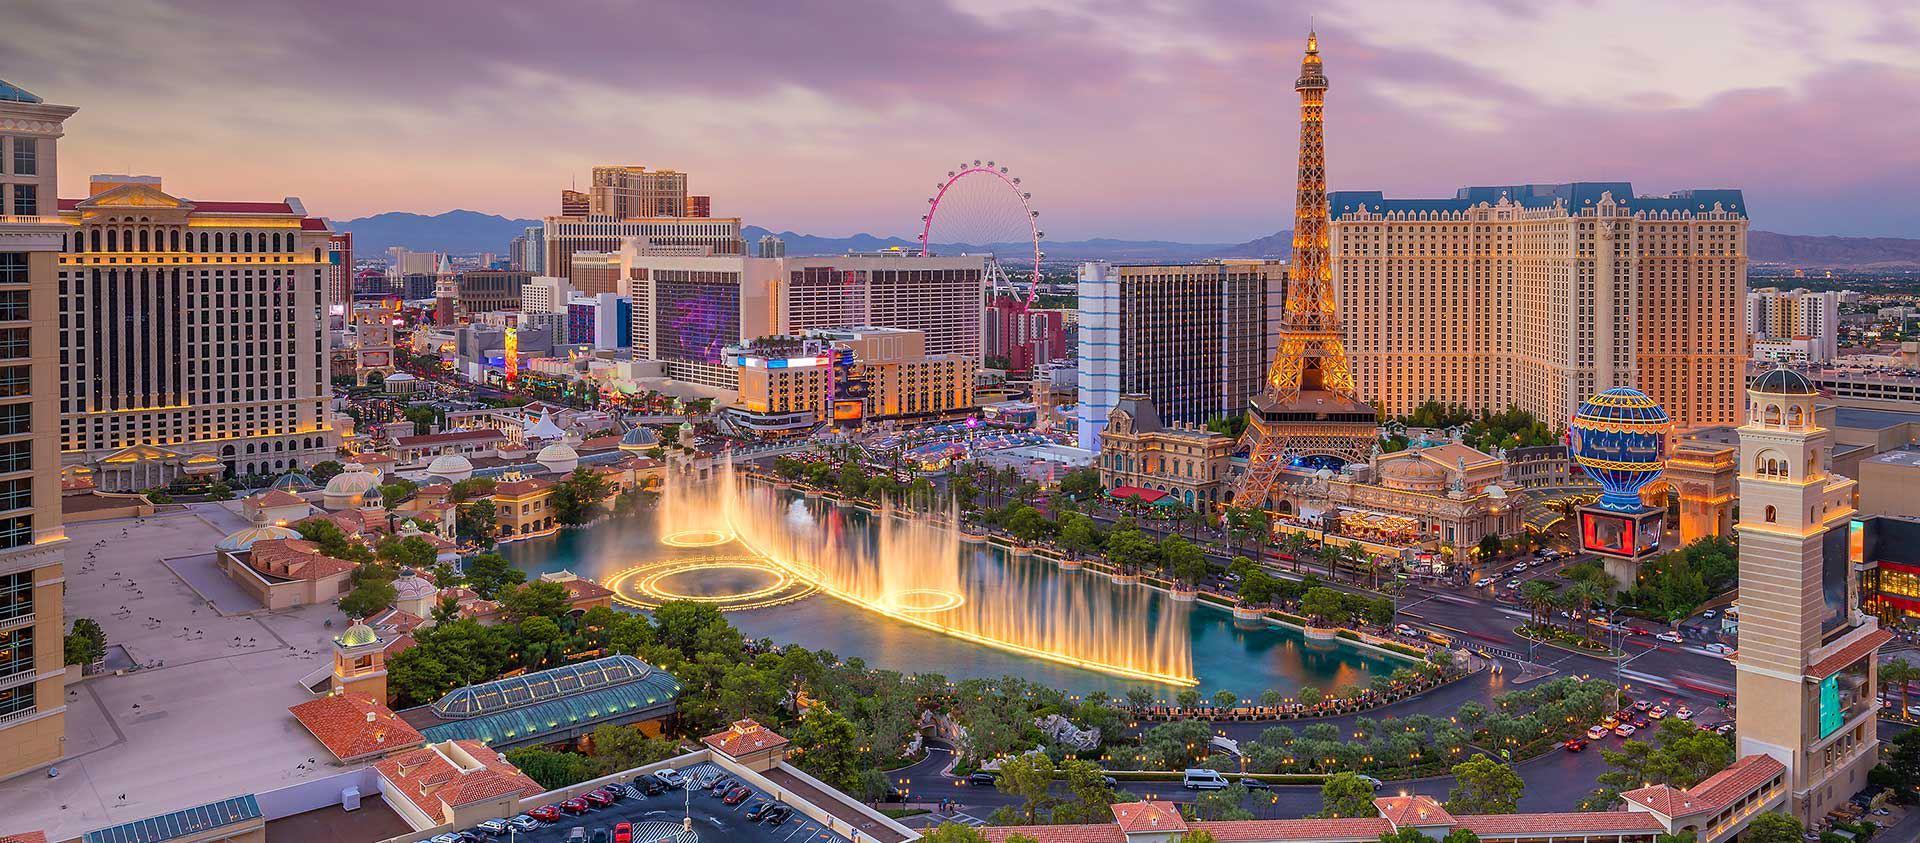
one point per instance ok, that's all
(469, 232)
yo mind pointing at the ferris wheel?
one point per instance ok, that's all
(981, 208)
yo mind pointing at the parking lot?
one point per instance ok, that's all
(713, 819)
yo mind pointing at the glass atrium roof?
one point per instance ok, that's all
(15, 93)
(650, 695)
(544, 686)
(191, 822)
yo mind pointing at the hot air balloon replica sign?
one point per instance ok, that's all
(1619, 437)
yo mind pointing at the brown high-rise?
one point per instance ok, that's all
(1307, 408)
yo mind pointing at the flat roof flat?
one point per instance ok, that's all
(1872, 419)
(178, 824)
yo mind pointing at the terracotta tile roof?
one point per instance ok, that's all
(273, 498)
(1532, 825)
(352, 725)
(294, 559)
(312, 224)
(1717, 792)
(1849, 654)
(583, 589)
(26, 836)
(1418, 810)
(434, 490)
(745, 736)
(1134, 817)
(371, 458)
(1102, 833)
(1355, 829)
(394, 622)
(431, 781)
(518, 488)
(599, 443)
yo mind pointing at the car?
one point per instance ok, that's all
(1669, 636)
(1641, 705)
(670, 777)
(1371, 781)
(1256, 784)
(546, 813)
(776, 815)
(721, 786)
(577, 835)
(1719, 649)
(1683, 712)
(493, 826)
(576, 805)
(1513, 584)
(597, 798)
(444, 838)
(1656, 713)
(650, 786)
(1574, 745)
(1625, 730)
(1403, 629)
(1610, 721)
(524, 823)
(1201, 778)
(623, 832)
(599, 836)
(759, 808)
(1520, 567)
(1709, 614)
(1483, 582)
(981, 779)
(736, 796)
(1595, 733)
(1638, 723)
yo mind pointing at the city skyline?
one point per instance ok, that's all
(1811, 105)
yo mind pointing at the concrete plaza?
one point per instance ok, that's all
(204, 717)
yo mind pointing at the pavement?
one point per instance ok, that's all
(713, 819)
(204, 714)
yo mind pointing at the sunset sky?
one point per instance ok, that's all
(1137, 118)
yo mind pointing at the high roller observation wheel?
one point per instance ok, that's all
(980, 171)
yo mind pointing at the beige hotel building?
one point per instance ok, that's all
(32, 578)
(1540, 295)
(192, 335)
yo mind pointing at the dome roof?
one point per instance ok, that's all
(640, 437)
(557, 452)
(352, 483)
(358, 635)
(447, 465)
(1784, 382)
(398, 377)
(294, 481)
(412, 586)
(1412, 472)
(242, 540)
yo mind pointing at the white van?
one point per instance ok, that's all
(1201, 779)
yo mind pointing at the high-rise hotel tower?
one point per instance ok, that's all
(1538, 295)
(33, 683)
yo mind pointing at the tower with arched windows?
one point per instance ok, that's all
(1805, 666)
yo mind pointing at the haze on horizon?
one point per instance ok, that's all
(1169, 121)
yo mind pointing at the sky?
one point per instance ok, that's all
(1123, 118)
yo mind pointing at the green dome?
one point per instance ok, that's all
(358, 635)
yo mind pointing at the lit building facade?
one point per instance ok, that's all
(1023, 337)
(1186, 461)
(1799, 326)
(1537, 296)
(893, 376)
(1806, 673)
(633, 192)
(340, 274)
(563, 236)
(33, 684)
(575, 203)
(787, 384)
(1196, 339)
(190, 330)
(488, 290)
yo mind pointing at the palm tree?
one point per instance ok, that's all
(1583, 595)
(1899, 672)
(1538, 595)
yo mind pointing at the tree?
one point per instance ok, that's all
(617, 748)
(1197, 835)
(476, 522)
(954, 833)
(1896, 673)
(1027, 524)
(828, 747)
(1077, 533)
(1680, 756)
(369, 598)
(1324, 604)
(575, 499)
(1405, 835)
(1222, 804)
(1130, 551)
(410, 552)
(1082, 484)
(1461, 835)
(1345, 794)
(1774, 827)
(490, 573)
(329, 539)
(1029, 777)
(1091, 793)
(1538, 595)
(87, 643)
(551, 770)
(1484, 786)
(325, 470)
(1489, 546)
(1182, 560)
(1902, 767)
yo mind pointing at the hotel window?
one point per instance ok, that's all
(16, 701)
(26, 156)
(16, 595)
(16, 531)
(26, 200)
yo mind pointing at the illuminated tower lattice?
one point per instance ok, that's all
(1308, 410)
(511, 363)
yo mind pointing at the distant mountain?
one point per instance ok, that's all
(1099, 248)
(1799, 250)
(456, 232)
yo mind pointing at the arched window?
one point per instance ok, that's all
(1813, 462)
(173, 240)
(143, 241)
(1793, 416)
(1772, 415)
(96, 241)
(206, 244)
(1770, 517)
(248, 240)
(113, 240)
(219, 241)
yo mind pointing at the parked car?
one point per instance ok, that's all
(576, 805)
(721, 786)
(1597, 732)
(524, 822)
(1625, 730)
(444, 838)
(651, 786)
(599, 836)
(1709, 614)
(623, 832)
(981, 779)
(546, 813)
(1669, 636)
(1641, 705)
(577, 835)
(776, 815)
(758, 810)
(1724, 728)
(1256, 784)
(670, 777)
(597, 798)
(1200, 778)
(493, 826)
(737, 796)
(1574, 745)
(1371, 781)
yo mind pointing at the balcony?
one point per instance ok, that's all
(16, 621)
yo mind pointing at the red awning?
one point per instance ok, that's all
(1137, 493)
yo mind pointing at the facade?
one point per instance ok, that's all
(1023, 337)
(1184, 460)
(32, 576)
(1196, 338)
(598, 272)
(1538, 295)
(1434, 497)
(699, 206)
(1890, 483)
(597, 232)
(1806, 672)
(487, 290)
(188, 329)
(575, 203)
(893, 376)
(1702, 475)
(545, 294)
(633, 192)
(1890, 556)
(340, 274)
(1795, 323)
(787, 384)
(523, 506)
(770, 246)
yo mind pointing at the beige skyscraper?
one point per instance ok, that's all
(1806, 662)
(191, 336)
(632, 192)
(1540, 295)
(32, 578)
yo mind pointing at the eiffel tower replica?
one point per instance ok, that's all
(1308, 407)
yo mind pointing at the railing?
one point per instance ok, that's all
(16, 621)
(11, 676)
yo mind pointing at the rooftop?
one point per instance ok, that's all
(452, 774)
(1573, 195)
(568, 699)
(743, 737)
(10, 92)
(188, 822)
(352, 726)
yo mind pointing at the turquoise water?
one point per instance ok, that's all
(1225, 655)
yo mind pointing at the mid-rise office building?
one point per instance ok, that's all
(699, 206)
(633, 192)
(787, 384)
(33, 677)
(482, 291)
(563, 236)
(893, 376)
(1195, 339)
(1537, 296)
(1020, 337)
(601, 320)
(192, 339)
(599, 272)
(1794, 326)
(575, 203)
